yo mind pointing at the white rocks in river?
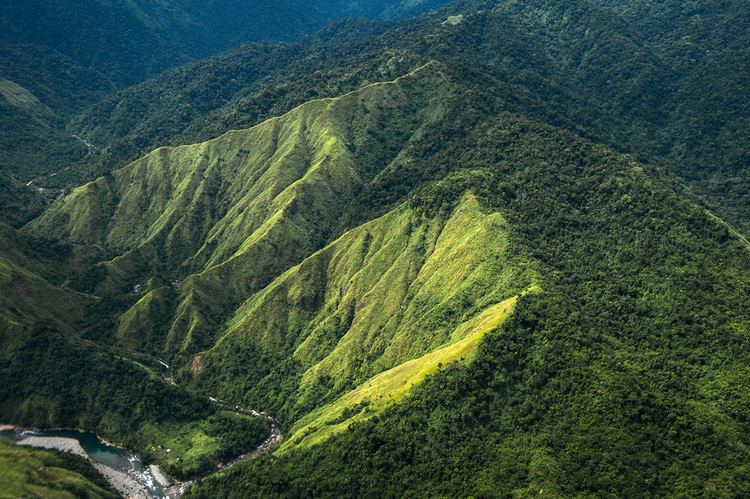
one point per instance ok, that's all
(125, 485)
(159, 476)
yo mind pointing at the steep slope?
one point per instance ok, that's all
(57, 58)
(131, 40)
(53, 378)
(386, 292)
(629, 74)
(249, 203)
(389, 387)
(322, 265)
(27, 299)
(39, 90)
(29, 125)
(628, 364)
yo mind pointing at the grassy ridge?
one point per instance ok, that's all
(626, 375)
(627, 74)
(56, 379)
(386, 292)
(250, 202)
(391, 386)
(289, 264)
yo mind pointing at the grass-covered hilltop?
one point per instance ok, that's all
(499, 249)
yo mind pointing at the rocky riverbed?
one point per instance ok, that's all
(121, 482)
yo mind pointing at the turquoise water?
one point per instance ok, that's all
(119, 459)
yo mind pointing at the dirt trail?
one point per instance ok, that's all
(34, 183)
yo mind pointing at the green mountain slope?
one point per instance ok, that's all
(248, 203)
(628, 74)
(465, 203)
(432, 266)
(386, 292)
(39, 90)
(40, 473)
(68, 55)
(54, 378)
(628, 363)
(391, 386)
(129, 41)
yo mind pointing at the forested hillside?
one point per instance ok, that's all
(609, 72)
(57, 58)
(130, 40)
(627, 364)
(499, 249)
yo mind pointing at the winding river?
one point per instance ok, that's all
(124, 469)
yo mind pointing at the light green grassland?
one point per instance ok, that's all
(384, 293)
(251, 202)
(392, 385)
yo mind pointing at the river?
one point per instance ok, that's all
(99, 452)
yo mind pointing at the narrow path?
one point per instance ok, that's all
(90, 149)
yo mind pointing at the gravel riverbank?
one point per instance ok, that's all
(159, 476)
(58, 443)
(121, 482)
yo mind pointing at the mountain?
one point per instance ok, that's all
(496, 250)
(130, 40)
(61, 379)
(39, 91)
(58, 58)
(598, 69)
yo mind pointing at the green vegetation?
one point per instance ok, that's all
(41, 473)
(498, 250)
(627, 365)
(57, 382)
(205, 213)
(197, 447)
(626, 74)
(129, 41)
(70, 55)
(58, 379)
(392, 385)
(389, 291)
